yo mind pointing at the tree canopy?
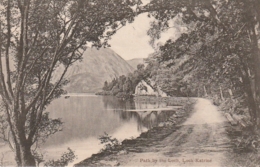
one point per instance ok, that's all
(220, 46)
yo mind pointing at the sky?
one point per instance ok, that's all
(132, 40)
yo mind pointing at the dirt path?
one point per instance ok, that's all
(200, 141)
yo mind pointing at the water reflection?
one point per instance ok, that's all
(87, 117)
(111, 102)
(146, 119)
(91, 116)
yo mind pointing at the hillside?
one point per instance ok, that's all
(97, 66)
(134, 62)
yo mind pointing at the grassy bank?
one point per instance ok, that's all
(107, 157)
(244, 152)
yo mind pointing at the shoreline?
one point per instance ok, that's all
(105, 157)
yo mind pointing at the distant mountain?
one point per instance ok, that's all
(134, 62)
(97, 66)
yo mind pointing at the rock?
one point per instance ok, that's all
(127, 141)
(175, 116)
(240, 120)
(122, 152)
(230, 119)
(161, 124)
(109, 163)
(168, 123)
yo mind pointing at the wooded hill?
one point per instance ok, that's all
(96, 67)
(154, 74)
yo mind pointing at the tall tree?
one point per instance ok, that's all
(37, 37)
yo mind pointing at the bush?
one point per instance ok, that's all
(65, 159)
(111, 144)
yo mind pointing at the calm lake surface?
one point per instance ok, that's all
(86, 117)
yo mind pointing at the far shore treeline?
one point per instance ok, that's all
(124, 86)
(154, 73)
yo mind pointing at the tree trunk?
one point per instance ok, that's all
(230, 92)
(256, 61)
(22, 145)
(251, 102)
(27, 157)
(221, 93)
(17, 155)
(24, 156)
(205, 91)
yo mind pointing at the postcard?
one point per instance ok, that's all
(129, 83)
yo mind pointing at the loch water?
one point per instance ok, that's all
(86, 117)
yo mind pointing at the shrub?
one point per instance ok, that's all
(111, 144)
(65, 159)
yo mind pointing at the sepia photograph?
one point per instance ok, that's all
(94, 83)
